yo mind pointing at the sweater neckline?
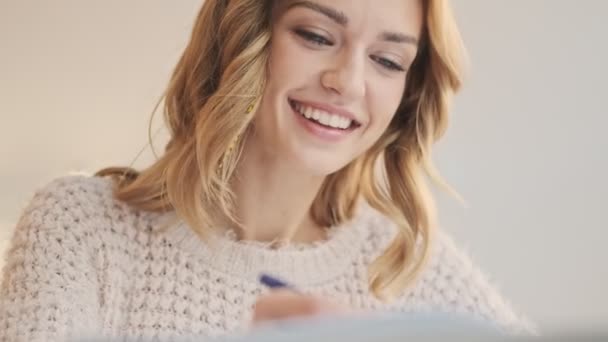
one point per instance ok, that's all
(302, 264)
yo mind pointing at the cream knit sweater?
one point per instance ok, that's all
(81, 262)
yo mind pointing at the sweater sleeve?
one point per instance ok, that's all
(452, 283)
(49, 288)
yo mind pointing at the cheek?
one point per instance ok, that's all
(385, 100)
(288, 65)
(278, 63)
(279, 74)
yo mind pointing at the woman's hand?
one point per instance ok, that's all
(286, 304)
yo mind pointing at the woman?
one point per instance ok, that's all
(301, 133)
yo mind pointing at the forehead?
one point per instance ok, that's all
(394, 15)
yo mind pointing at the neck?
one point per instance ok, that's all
(273, 199)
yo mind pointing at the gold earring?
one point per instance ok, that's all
(233, 143)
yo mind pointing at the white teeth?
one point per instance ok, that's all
(335, 121)
(323, 117)
(308, 112)
(344, 122)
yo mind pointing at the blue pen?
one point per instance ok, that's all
(274, 283)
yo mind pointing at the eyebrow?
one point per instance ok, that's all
(333, 14)
(341, 18)
(396, 37)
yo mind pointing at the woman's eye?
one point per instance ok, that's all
(313, 37)
(388, 64)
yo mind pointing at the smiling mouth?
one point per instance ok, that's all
(324, 118)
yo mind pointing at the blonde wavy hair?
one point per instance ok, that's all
(221, 74)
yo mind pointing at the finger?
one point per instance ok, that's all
(283, 304)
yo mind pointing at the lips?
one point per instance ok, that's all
(325, 116)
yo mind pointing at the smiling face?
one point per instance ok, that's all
(336, 76)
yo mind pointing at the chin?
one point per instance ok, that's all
(318, 163)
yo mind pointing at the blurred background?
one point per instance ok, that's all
(526, 148)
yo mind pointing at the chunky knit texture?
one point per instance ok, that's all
(81, 262)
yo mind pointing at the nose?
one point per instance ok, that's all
(346, 76)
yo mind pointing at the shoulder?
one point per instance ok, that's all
(80, 206)
(70, 199)
(77, 188)
(79, 216)
(453, 282)
(450, 281)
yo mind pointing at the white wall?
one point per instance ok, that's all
(526, 147)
